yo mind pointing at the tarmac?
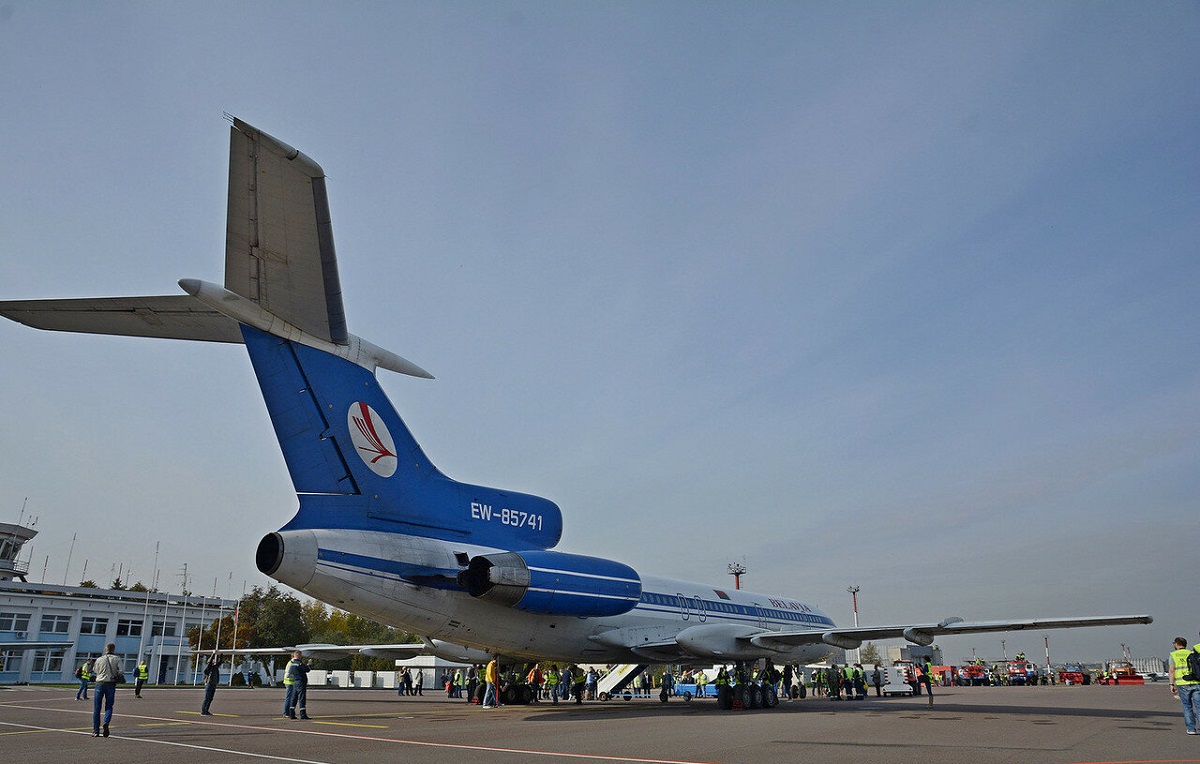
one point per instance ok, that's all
(978, 725)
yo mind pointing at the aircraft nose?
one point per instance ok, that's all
(289, 556)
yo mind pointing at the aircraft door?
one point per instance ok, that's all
(685, 608)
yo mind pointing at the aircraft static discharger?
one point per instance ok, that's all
(380, 531)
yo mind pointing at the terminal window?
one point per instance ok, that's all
(129, 628)
(160, 629)
(10, 660)
(48, 660)
(56, 624)
(93, 625)
(14, 622)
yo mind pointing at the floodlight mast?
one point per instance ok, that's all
(736, 569)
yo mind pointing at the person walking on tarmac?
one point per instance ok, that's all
(108, 676)
(535, 679)
(1186, 685)
(143, 673)
(84, 675)
(927, 679)
(491, 675)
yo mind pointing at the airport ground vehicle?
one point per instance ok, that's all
(1022, 673)
(899, 679)
(974, 674)
(688, 690)
(1122, 672)
(1074, 673)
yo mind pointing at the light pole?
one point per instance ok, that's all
(736, 569)
(854, 597)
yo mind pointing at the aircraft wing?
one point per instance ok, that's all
(851, 638)
(172, 317)
(447, 650)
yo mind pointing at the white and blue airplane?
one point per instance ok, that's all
(380, 531)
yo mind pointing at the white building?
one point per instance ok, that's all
(149, 624)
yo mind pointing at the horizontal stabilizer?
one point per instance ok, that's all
(177, 317)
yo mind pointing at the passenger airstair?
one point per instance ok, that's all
(617, 679)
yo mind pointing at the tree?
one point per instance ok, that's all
(89, 584)
(138, 587)
(869, 654)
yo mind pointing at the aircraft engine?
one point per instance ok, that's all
(553, 583)
(288, 556)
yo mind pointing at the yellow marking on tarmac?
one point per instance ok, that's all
(167, 724)
(197, 713)
(348, 724)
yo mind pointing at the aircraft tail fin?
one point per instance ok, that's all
(356, 465)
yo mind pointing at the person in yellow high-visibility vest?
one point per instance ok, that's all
(1186, 685)
(84, 675)
(143, 673)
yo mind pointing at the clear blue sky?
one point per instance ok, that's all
(895, 295)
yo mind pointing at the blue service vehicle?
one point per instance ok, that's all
(687, 690)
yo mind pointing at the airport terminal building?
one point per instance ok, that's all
(82, 620)
(149, 624)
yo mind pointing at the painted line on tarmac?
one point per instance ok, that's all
(365, 738)
(348, 724)
(213, 749)
(1142, 761)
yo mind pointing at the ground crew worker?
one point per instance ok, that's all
(295, 680)
(578, 680)
(701, 684)
(552, 679)
(927, 679)
(143, 673)
(84, 675)
(1188, 690)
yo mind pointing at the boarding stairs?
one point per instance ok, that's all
(616, 680)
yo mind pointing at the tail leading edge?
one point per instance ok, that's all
(355, 464)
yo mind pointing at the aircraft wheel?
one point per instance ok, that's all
(770, 697)
(756, 698)
(741, 694)
(508, 696)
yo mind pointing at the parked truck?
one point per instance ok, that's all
(1121, 672)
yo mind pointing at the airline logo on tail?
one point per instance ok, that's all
(371, 438)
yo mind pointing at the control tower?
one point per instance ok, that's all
(12, 538)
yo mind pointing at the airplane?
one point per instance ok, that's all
(379, 530)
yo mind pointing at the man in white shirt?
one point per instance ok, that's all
(107, 670)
